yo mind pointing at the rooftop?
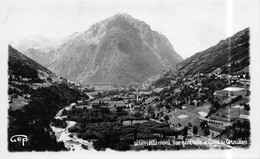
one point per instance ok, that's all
(203, 114)
(243, 116)
(234, 89)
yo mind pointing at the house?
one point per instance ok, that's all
(216, 130)
(203, 114)
(217, 71)
(244, 116)
(244, 82)
(80, 101)
(216, 122)
(231, 91)
(25, 79)
(137, 108)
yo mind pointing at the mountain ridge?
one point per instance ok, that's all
(118, 50)
(227, 51)
(15, 57)
(229, 56)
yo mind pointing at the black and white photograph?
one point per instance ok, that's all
(133, 78)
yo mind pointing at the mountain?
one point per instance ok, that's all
(44, 58)
(230, 55)
(38, 42)
(21, 65)
(38, 48)
(119, 50)
(35, 95)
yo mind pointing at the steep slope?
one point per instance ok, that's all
(231, 55)
(119, 50)
(23, 65)
(34, 99)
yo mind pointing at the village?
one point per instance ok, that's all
(214, 107)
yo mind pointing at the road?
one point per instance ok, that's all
(71, 141)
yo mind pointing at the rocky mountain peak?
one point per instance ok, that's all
(118, 50)
(120, 21)
(125, 15)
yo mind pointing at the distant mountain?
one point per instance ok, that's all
(38, 42)
(119, 50)
(38, 48)
(230, 55)
(40, 56)
(20, 64)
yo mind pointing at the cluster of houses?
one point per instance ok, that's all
(191, 113)
(196, 114)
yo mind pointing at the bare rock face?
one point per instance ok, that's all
(119, 50)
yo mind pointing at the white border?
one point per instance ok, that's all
(252, 152)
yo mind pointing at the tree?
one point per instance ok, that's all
(247, 76)
(166, 118)
(122, 146)
(246, 107)
(189, 124)
(203, 124)
(195, 130)
(135, 133)
(206, 131)
(185, 132)
(215, 104)
(150, 110)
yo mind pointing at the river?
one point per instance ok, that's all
(71, 141)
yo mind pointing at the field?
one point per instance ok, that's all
(18, 103)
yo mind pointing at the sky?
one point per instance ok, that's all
(190, 25)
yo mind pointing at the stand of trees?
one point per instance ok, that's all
(34, 119)
(108, 131)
